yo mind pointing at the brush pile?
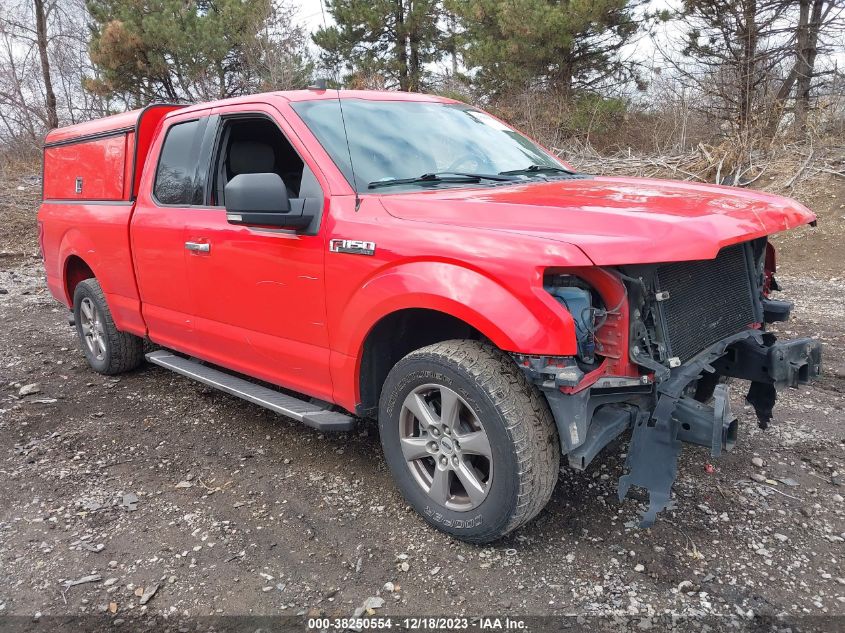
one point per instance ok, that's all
(786, 169)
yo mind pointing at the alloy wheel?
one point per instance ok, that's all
(92, 328)
(445, 447)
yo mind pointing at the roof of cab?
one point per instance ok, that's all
(129, 120)
(317, 95)
(103, 126)
(366, 95)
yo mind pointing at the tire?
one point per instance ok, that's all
(485, 497)
(109, 351)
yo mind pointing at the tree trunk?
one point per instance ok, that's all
(414, 24)
(802, 69)
(452, 48)
(561, 78)
(52, 115)
(401, 45)
(747, 67)
(810, 20)
(415, 67)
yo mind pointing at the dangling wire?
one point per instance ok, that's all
(348, 151)
(342, 117)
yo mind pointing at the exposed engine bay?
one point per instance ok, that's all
(692, 326)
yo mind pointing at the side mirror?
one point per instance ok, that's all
(262, 200)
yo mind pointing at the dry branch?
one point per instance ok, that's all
(727, 163)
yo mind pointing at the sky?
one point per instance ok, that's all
(310, 13)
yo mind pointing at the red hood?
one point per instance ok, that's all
(613, 220)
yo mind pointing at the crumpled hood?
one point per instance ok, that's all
(613, 220)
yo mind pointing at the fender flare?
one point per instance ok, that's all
(76, 243)
(543, 327)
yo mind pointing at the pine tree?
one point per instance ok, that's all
(194, 49)
(381, 43)
(559, 45)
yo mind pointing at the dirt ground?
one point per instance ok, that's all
(150, 480)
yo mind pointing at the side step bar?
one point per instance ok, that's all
(303, 411)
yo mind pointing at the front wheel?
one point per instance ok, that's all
(471, 444)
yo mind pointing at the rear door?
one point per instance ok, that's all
(259, 293)
(173, 186)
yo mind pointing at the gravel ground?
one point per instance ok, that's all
(167, 501)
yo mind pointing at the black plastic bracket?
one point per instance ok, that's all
(712, 426)
(753, 355)
(782, 364)
(607, 424)
(574, 413)
(771, 365)
(652, 461)
(775, 310)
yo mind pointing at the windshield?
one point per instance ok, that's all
(404, 140)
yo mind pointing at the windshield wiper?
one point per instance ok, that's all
(441, 176)
(536, 169)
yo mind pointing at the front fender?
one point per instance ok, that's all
(531, 323)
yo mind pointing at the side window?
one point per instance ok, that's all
(177, 165)
(252, 145)
(309, 186)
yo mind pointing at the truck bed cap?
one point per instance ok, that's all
(100, 159)
(116, 122)
(122, 121)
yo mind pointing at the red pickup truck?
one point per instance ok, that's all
(335, 256)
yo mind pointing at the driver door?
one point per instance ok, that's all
(259, 292)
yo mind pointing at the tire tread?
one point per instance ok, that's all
(126, 351)
(529, 422)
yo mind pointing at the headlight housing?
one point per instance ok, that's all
(577, 297)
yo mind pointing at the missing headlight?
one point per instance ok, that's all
(577, 297)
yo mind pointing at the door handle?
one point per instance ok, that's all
(198, 247)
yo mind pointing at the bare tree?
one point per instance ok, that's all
(279, 54)
(816, 20)
(731, 51)
(754, 61)
(43, 62)
(41, 42)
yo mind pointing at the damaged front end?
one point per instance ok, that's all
(661, 347)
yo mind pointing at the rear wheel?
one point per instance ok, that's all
(471, 444)
(107, 349)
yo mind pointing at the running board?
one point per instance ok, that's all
(303, 411)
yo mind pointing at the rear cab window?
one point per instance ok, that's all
(180, 179)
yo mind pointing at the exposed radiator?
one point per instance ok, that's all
(708, 300)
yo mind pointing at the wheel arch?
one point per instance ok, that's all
(79, 259)
(435, 301)
(75, 270)
(393, 337)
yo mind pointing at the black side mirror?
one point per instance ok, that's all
(262, 200)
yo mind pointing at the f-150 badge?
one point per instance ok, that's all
(353, 247)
